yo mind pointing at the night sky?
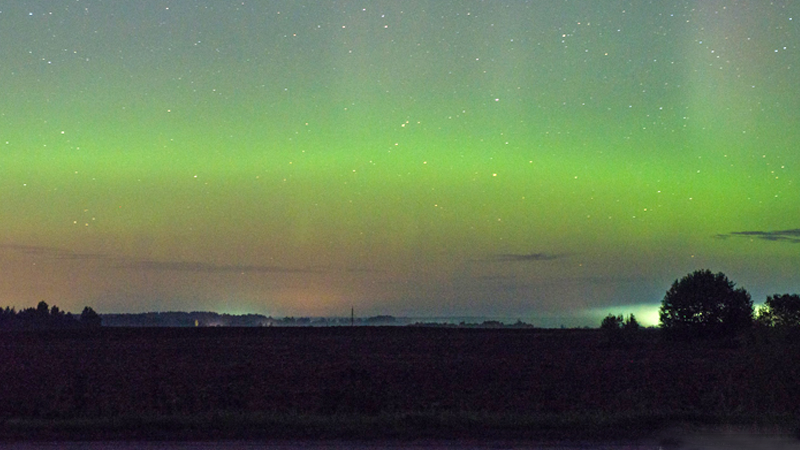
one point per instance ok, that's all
(551, 161)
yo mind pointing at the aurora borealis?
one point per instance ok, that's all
(546, 160)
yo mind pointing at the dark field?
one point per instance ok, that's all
(386, 382)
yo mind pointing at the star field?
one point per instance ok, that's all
(511, 159)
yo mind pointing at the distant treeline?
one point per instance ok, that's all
(484, 324)
(43, 317)
(212, 319)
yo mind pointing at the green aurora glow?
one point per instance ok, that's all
(510, 159)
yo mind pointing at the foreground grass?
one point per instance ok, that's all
(389, 383)
(405, 426)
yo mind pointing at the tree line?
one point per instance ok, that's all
(704, 304)
(43, 317)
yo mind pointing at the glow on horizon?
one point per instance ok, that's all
(646, 314)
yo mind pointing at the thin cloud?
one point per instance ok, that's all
(528, 257)
(495, 278)
(790, 236)
(55, 253)
(352, 270)
(198, 267)
(32, 249)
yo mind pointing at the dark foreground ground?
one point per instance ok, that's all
(387, 383)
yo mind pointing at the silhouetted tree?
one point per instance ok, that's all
(60, 319)
(631, 324)
(704, 304)
(42, 313)
(90, 319)
(619, 331)
(44, 317)
(612, 322)
(780, 311)
(8, 318)
(34, 318)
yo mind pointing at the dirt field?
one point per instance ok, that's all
(373, 380)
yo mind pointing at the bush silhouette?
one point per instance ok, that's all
(43, 317)
(619, 331)
(90, 319)
(780, 311)
(704, 304)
